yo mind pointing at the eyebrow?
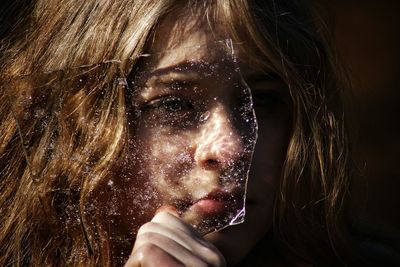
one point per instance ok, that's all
(183, 67)
(171, 76)
(164, 71)
(190, 71)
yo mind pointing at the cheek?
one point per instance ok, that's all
(166, 159)
(270, 152)
(269, 155)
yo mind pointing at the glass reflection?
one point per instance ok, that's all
(196, 132)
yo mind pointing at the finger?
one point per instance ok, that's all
(150, 255)
(187, 240)
(172, 221)
(187, 234)
(168, 208)
(174, 249)
(192, 217)
(194, 244)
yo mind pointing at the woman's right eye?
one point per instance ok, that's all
(170, 104)
(267, 101)
(172, 111)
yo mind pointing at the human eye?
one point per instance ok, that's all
(169, 104)
(169, 110)
(267, 101)
(269, 92)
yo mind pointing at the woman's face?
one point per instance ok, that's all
(194, 135)
(188, 159)
(195, 131)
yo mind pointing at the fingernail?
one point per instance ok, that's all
(168, 208)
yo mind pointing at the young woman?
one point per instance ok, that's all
(92, 126)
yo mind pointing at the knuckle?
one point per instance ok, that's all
(148, 249)
(146, 238)
(202, 264)
(217, 261)
(140, 254)
(162, 216)
(151, 237)
(147, 227)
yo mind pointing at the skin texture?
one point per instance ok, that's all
(168, 241)
(196, 131)
(168, 238)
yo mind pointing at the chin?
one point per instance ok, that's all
(234, 242)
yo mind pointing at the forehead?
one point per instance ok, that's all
(183, 36)
(183, 40)
(187, 31)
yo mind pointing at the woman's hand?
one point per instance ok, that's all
(168, 241)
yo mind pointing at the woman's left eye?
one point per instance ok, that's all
(267, 100)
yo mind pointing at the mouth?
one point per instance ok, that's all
(218, 203)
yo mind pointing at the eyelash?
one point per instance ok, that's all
(170, 104)
(170, 110)
(267, 99)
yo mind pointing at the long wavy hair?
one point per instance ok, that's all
(43, 193)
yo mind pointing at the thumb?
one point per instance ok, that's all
(169, 209)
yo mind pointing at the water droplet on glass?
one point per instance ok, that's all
(204, 116)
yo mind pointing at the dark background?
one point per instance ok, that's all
(367, 36)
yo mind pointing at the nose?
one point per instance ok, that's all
(219, 145)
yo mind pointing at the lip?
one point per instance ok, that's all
(209, 207)
(217, 203)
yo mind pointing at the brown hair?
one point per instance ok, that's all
(43, 192)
